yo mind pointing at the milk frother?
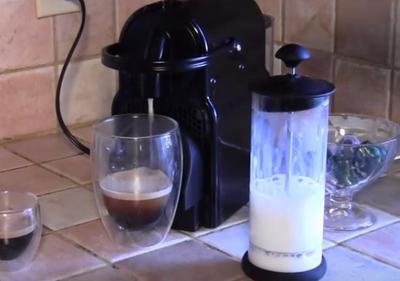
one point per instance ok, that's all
(287, 174)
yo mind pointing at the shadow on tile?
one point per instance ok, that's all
(56, 259)
(344, 264)
(93, 237)
(190, 260)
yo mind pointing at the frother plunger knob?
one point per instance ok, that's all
(292, 55)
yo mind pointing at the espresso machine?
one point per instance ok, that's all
(193, 61)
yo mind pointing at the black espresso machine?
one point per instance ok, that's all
(195, 59)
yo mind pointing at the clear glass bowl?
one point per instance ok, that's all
(360, 149)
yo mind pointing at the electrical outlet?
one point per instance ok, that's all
(45, 8)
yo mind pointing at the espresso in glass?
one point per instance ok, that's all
(136, 198)
(13, 243)
(20, 229)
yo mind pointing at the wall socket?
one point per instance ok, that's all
(46, 8)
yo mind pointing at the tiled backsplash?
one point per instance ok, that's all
(355, 44)
(31, 55)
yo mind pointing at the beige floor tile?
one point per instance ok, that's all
(104, 274)
(382, 219)
(190, 260)
(344, 264)
(9, 160)
(383, 244)
(76, 168)
(68, 208)
(233, 240)
(45, 148)
(33, 179)
(56, 259)
(93, 237)
(242, 215)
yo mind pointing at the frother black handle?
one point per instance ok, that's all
(292, 55)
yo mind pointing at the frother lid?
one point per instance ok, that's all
(292, 92)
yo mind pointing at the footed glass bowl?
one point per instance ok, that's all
(360, 149)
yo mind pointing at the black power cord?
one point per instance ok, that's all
(60, 119)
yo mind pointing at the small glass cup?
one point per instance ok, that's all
(137, 174)
(20, 229)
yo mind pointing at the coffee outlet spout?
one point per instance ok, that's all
(287, 174)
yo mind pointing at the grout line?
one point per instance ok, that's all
(40, 165)
(64, 175)
(390, 96)
(17, 168)
(334, 64)
(61, 158)
(208, 231)
(363, 62)
(384, 211)
(56, 191)
(54, 30)
(362, 234)
(391, 93)
(80, 58)
(216, 248)
(61, 190)
(75, 225)
(335, 27)
(283, 20)
(369, 256)
(393, 34)
(83, 273)
(116, 19)
(54, 131)
(86, 250)
(55, 62)
(372, 231)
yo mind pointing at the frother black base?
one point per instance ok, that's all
(259, 274)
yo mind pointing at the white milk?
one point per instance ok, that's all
(286, 228)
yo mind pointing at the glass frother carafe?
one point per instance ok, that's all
(287, 178)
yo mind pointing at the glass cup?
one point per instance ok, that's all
(20, 229)
(137, 174)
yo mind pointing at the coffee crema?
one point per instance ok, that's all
(136, 198)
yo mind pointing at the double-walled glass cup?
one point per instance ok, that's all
(20, 229)
(137, 174)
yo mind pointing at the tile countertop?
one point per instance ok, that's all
(74, 246)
